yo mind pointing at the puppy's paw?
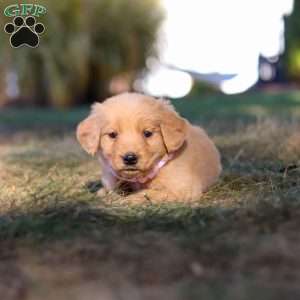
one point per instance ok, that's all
(146, 197)
(102, 192)
(139, 198)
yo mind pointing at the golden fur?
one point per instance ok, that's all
(117, 127)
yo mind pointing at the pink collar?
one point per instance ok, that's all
(153, 173)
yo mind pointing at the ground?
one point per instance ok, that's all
(58, 240)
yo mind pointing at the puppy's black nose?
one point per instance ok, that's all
(130, 159)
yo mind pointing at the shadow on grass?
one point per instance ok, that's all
(248, 249)
(94, 220)
(199, 252)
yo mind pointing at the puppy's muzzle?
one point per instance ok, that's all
(130, 159)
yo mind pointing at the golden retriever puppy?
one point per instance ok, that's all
(144, 145)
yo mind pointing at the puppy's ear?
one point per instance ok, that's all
(89, 131)
(173, 129)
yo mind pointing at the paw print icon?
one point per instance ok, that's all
(24, 32)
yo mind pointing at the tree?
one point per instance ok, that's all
(86, 43)
(292, 54)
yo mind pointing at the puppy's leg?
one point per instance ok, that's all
(102, 192)
(149, 196)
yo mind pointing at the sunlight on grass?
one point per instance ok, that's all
(242, 235)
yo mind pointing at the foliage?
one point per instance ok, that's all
(86, 43)
(292, 56)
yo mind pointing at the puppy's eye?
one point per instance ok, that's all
(147, 133)
(113, 135)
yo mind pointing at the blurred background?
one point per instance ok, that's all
(232, 67)
(92, 49)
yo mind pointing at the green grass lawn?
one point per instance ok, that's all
(58, 240)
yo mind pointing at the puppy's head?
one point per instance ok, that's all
(132, 132)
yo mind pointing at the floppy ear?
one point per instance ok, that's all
(88, 134)
(173, 129)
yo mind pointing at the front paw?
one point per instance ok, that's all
(145, 197)
(139, 198)
(102, 192)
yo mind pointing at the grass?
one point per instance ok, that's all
(241, 241)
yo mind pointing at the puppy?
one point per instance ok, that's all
(144, 145)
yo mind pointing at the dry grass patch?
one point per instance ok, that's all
(58, 240)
